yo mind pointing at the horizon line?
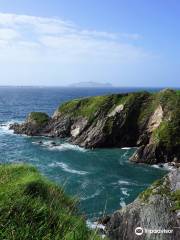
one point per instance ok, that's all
(112, 86)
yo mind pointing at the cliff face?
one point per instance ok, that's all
(157, 208)
(149, 121)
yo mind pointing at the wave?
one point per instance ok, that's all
(122, 202)
(95, 226)
(61, 147)
(123, 182)
(66, 168)
(4, 127)
(126, 148)
(164, 166)
(91, 196)
(125, 191)
(68, 146)
(127, 183)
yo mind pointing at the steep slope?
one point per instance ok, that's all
(149, 121)
(33, 208)
(157, 208)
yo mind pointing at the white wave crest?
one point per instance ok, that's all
(4, 127)
(94, 225)
(68, 146)
(66, 168)
(125, 191)
(126, 183)
(123, 182)
(62, 146)
(164, 166)
(122, 202)
(91, 196)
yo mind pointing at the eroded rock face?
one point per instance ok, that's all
(155, 119)
(150, 122)
(117, 110)
(154, 209)
(78, 126)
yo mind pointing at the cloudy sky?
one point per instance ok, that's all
(126, 43)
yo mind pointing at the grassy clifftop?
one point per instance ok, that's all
(142, 104)
(91, 106)
(38, 118)
(31, 207)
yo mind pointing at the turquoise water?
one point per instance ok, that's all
(103, 179)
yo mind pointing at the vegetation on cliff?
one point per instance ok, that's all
(91, 106)
(149, 121)
(38, 118)
(168, 133)
(31, 207)
(156, 188)
(148, 102)
(162, 187)
(158, 207)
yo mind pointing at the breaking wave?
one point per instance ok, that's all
(91, 196)
(4, 127)
(66, 168)
(61, 147)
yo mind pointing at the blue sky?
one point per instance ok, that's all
(126, 43)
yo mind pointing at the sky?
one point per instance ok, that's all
(128, 43)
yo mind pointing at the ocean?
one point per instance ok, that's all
(102, 179)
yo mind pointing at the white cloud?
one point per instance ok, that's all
(52, 41)
(8, 34)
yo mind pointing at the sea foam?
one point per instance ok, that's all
(61, 147)
(66, 168)
(4, 127)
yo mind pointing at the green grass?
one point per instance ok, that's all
(163, 189)
(176, 199)
(167, 134)
(156, 188)
(31, 207)
(142, 104)
(89, 107)
(39, 117)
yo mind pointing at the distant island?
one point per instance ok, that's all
(91, 85)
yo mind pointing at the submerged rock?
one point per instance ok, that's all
(156, 210)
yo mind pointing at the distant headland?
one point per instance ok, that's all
(91, 85)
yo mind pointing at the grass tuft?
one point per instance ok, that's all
(31, 207)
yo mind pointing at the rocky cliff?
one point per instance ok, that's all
(148, 121)
(156, 212)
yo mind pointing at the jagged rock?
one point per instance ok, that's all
(117, 110)
(148, 121)
(157, 208)
(155, 119)
(34, 124)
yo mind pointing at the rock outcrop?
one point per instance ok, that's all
(156, 211)
(148, 121)
(34, 125)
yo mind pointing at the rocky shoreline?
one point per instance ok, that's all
(156, 211)
(148, 121)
